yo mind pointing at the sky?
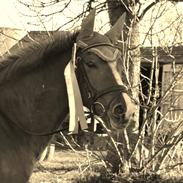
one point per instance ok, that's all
(14, 14)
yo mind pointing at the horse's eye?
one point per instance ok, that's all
(90, 63)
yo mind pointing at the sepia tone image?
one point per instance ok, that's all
(91, 91)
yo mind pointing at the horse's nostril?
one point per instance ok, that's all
(118, 110)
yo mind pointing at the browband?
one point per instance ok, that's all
(106, 55)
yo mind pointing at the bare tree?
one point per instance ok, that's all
(158, 133)
(152, 102)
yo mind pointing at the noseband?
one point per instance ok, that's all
(92, 94)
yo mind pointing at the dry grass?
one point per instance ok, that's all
(70, 167)
(66, 167)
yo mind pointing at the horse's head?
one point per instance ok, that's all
(98, 73)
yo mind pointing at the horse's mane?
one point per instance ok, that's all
(31, 56)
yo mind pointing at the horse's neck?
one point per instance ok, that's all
(62, 109)
(38, 103)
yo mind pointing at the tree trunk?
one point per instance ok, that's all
(132, 63)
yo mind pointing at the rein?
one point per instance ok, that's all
(31, 132)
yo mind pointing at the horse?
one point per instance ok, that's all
(33, 94)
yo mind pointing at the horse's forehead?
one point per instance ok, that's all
(106, 53)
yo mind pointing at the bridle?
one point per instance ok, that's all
(92, 94)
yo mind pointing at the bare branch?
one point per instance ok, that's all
(148, 8)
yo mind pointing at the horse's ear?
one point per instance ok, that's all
(87, 25)
(114, 33)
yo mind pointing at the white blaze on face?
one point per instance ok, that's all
(116, 74)
(113, 66)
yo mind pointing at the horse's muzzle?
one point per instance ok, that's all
(119, 116)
